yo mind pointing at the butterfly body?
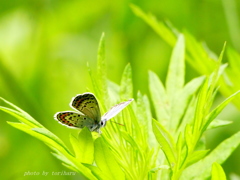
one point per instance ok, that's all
(89, 113)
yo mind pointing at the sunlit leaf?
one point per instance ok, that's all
(217, 110)
(196, 156)
(166, 142)
(176, 72)
(126, 88)
(218, 123)
(159, 96)
(217, 172)
(83, 146)
(97, 172)
(106, 161)
(159, 27)
(202, 168)
(20, 114)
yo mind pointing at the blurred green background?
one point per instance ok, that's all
(45, 46)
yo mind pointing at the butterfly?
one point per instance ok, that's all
(89, 113)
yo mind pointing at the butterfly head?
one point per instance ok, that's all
(103, 123)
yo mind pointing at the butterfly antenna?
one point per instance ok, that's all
(117, 123)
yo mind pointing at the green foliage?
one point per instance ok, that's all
(201, 58)
(169, 147)
(179, 136)
(217, 172)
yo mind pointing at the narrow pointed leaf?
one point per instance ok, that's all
(183, 97)
(83, 146)
(196, 156)
(126, 88)
(189, 138)
(166, 142)
(64, 160)
(106, 161)
(176, 72)
(217, 172)
(201, 106)
(94, 82)
(28, 119)
(159, 98)
(52, 141)
(19, 116)
(101, 66)
(217, 110)
(159, 27)
(102, 72)
(218, 123)
(219, 155)
(97, 172)
(49, 137)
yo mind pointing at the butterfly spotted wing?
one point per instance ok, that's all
(90, 114)
(88, 105)
(115, 110)
(75, 120)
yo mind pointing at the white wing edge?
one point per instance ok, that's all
(115, 110)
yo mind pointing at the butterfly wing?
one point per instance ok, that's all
(88, 105)
(115, 110)
(75, 120)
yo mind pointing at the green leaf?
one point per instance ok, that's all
(97, 172)
(202, 107)
(191, 87)
(101, 71)
(202, 169)
(233, 58)
(159, 98)
(196, 55)
(217, 110)
(217, 172)
(175, 82)
(22, 127)
(126, 88)
(188, 137)
(176, 71)
(64, 160)
(159, 27)
(83, 146)
(94, 81)
(101, 65)
(69, 167)
(213, 79)
(86, 145)
(196, 156)
(188, 115)
(20, 114)
(47, 137)
(184, 105)
(218, 123)
(144, 117)
(181, 151)
(131, 141)
(50, 138)
(106, 161)
(56, 144)
(166, 142)
(53, 141)
(183, 98)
